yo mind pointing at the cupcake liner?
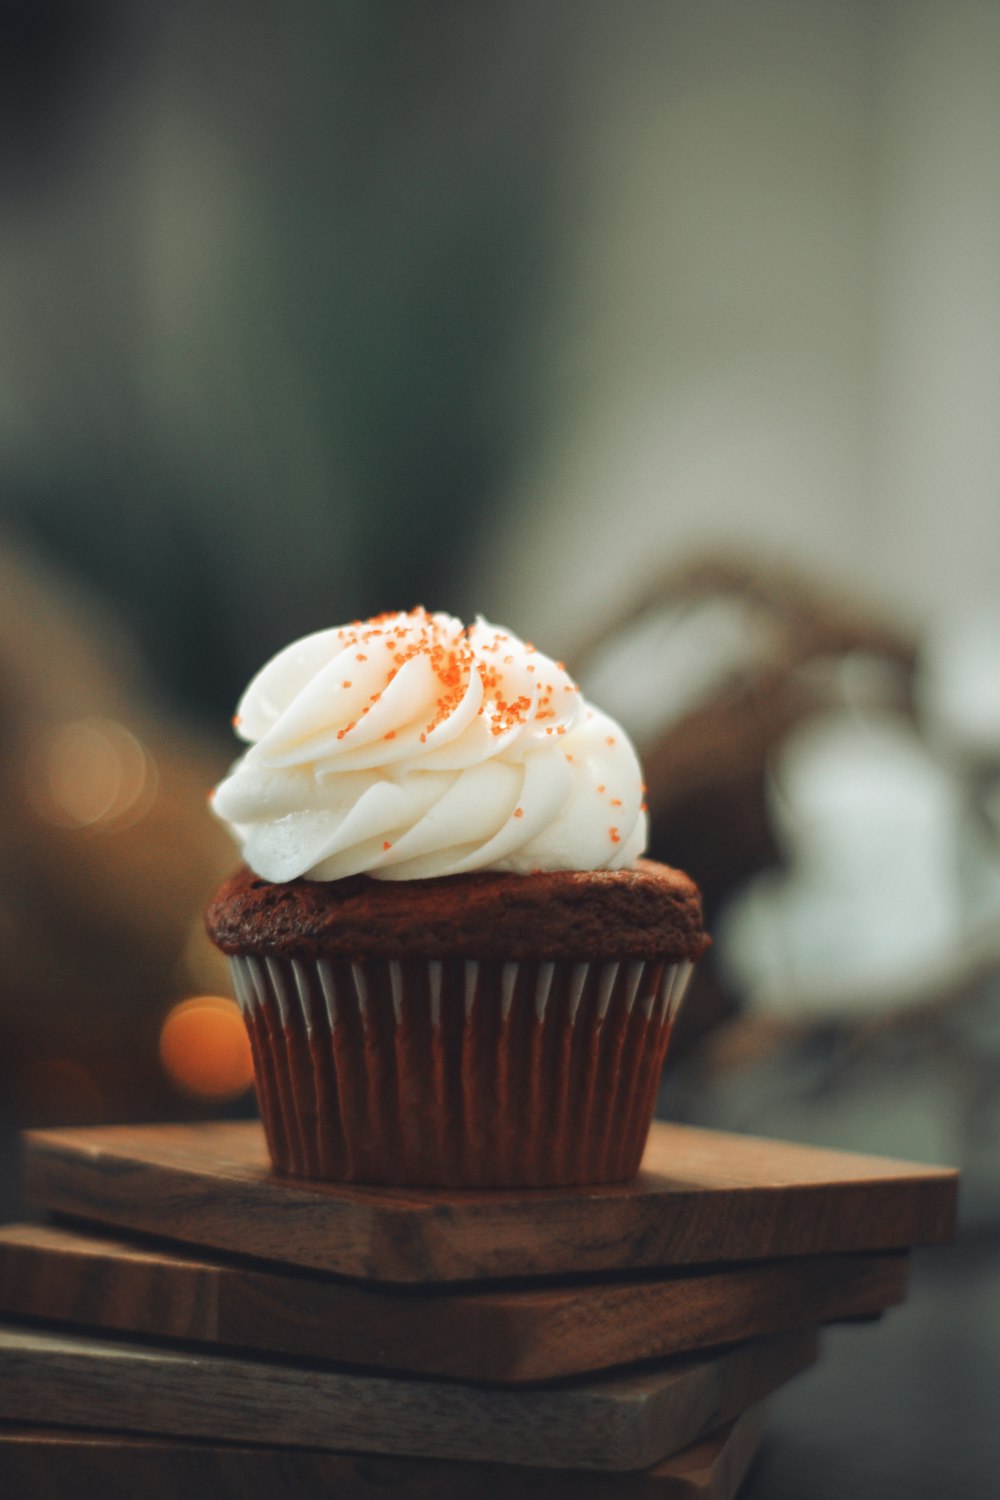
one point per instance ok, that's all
(457, 1072)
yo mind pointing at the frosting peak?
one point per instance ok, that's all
(410, 746)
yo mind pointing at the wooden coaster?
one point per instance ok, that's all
(630, 1422)
(496, 1334)
(50, 1464)
(702, 1196)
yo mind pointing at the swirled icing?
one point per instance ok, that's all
(410, 746)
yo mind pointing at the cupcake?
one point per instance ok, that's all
(455, 967)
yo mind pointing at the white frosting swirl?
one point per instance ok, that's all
(411, 746)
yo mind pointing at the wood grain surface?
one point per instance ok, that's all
(702, 1196)
(625, 1423)
(498, 1334)
(49, 1464)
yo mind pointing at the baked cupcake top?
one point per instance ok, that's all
(416, 787)
(410, 747)
(646, 912)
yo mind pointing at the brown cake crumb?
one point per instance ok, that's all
(648, 911)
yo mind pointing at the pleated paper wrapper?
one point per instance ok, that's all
(457, 1072)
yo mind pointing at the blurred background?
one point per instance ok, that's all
(666, 333)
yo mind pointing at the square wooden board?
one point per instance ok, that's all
(627, 1422)
(49, 1464)
(702, 1196)
(499, 1333)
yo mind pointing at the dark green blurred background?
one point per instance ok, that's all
(277, 270)
(317, 309)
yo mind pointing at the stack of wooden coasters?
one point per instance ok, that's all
(179, 1320)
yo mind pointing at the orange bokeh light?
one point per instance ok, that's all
(204, 1048)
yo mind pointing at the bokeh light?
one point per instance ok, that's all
(204, 1048)
(91, 773)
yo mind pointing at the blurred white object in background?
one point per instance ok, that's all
(870, 901)
(957, 691)
(670, 661)
(958, 685)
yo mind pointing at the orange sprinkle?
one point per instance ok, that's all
(237, 721)
(600, 788)
(616, 837)
(387, 845)
(345, 684)
(390, 736)
(616, 802)
(362, 656)
(519, 812)
(610, 739)
(568, 756)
